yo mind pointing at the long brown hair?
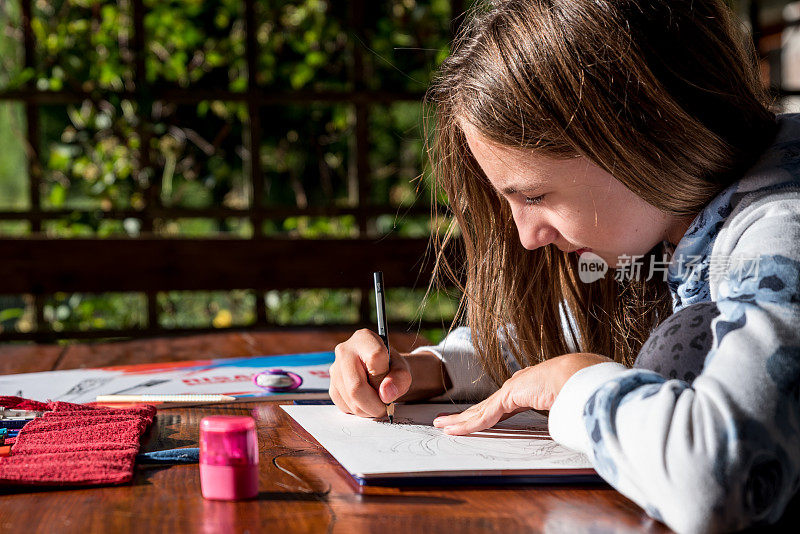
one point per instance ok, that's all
(664, 95)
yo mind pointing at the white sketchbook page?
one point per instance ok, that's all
(84, 385)
(413, 445)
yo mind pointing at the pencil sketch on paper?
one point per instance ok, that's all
(413, 445)
(141, 385)
(497, 444)
(85, 386)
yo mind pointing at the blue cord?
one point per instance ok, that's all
(170, 456)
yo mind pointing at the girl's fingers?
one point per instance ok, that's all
(356, 391)
(359, 359)
(372, 353)
(338, 401)
(446, 420)
(479, 420)
(395, 384)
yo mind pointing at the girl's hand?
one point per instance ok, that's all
(361, 363)
(534, 387)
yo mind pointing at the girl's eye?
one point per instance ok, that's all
(534, 200)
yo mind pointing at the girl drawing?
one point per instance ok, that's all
(575, 132)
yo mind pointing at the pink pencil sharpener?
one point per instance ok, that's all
(228, 457)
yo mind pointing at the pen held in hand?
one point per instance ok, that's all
(380, 305)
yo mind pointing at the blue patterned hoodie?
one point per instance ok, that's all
(721, 452)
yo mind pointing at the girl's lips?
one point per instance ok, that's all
(582, 250)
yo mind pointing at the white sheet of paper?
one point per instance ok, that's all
(232, 376)
(413, 446)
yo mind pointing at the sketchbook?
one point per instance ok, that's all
(225, 376)
(411, 451)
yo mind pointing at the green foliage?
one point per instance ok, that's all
(13, 170)
(14, 228)
(313, 227)
(396, 157)
(200, 227)
(16, 313)
(192, 42)
(78, 311)
(307, 160)
(81, 44)
(302, 45)
(11, 51)
(221, 309)
(312, 306)
(90, 156)
(412, 304)
(196, 155)
(109, 153)
(409, 38)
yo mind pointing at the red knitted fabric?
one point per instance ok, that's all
(74, 444)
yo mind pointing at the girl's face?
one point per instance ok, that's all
(572, 204)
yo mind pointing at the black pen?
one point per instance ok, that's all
(380, 305)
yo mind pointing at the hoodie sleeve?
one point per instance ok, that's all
(722, 452)
(469, 381)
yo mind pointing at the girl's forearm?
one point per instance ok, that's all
(429, 377)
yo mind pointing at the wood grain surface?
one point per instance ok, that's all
(302, 489)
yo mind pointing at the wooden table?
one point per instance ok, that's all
(302, 488)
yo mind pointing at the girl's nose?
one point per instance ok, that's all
(534, 232)
(538, 237)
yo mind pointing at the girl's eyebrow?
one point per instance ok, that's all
(511, 189)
